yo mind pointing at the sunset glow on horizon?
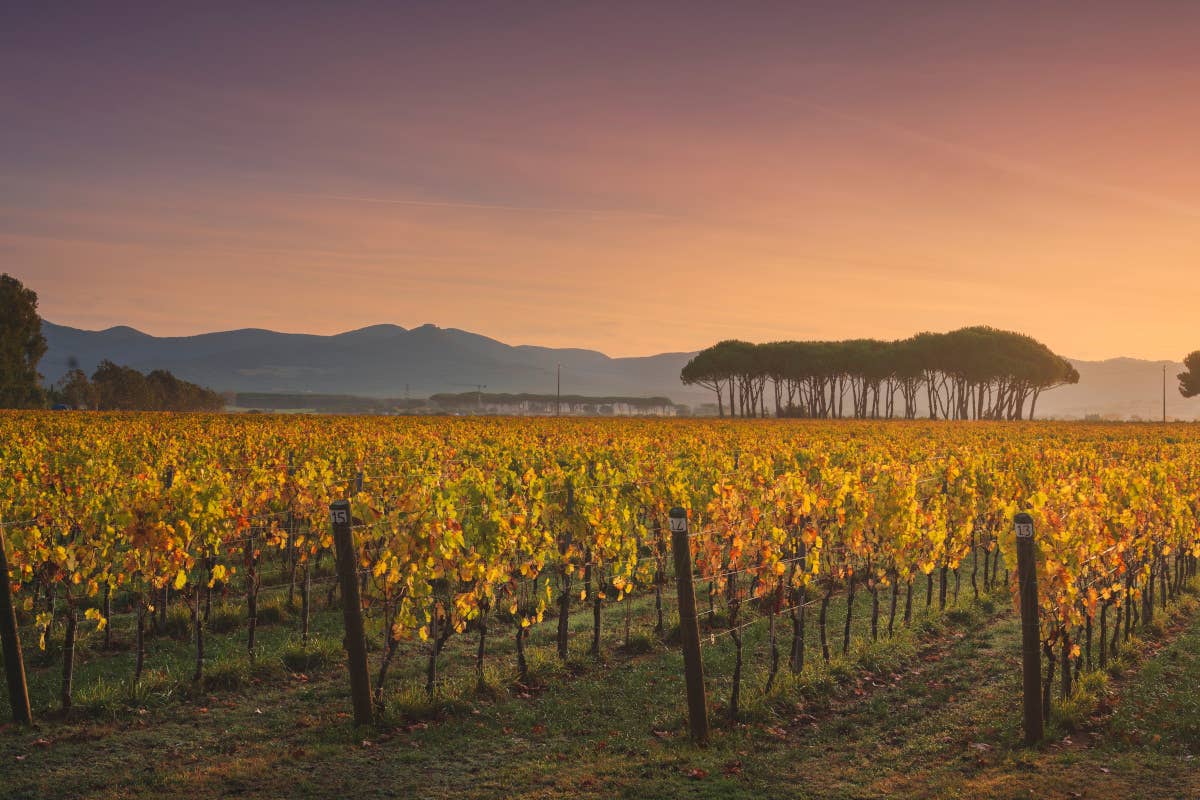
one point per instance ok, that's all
(626, 178)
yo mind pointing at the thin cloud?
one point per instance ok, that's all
(486, 206)
(1000, 161)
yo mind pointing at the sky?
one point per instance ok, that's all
(632, 177)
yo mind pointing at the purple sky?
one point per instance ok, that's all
(632, 177)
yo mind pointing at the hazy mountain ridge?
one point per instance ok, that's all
(1121, 387)
(378, 361)
(381, 360)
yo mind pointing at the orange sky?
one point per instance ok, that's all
(627, 180)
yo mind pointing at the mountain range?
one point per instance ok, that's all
(379, 361)
(391, 361)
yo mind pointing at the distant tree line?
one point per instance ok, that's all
(117, 388)
(971, 373)
(571, 404)
(324, 403)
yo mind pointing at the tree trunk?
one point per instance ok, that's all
(198, 626)
(659, 630)
(208, 565)
(390, 644)
(1165, 572)
(596, 601)
(291, 553)
(874, 610)
(1048, 651)
(1104, 635)
(796, 659)
(735, 694)
(908, 589)
(68, 672)
(140, 642)
(522, 664)
(1148, 599)
(479, 653)
(1089, 643)
(564, 616)
(974, 567)
(1128, 603)
(107, 616)
(892, 611)
(1066, 666)
(774, 654)
(434, 637)
(305, 604)
(849, 616)
(987, 578)
(821, 622)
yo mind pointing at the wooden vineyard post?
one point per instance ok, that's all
(355, 640)
(14, 666)
(1030, 633)
(689, 628)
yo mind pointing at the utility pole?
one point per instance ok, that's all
(558, 394)
(1164, 393)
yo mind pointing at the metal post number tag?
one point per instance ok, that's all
(678, 524)
(1024, 530)
(340, 516)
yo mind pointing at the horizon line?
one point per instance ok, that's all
(1168, 361)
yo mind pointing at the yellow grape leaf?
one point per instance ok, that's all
(94, 614)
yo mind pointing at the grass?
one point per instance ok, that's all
(932, 713)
